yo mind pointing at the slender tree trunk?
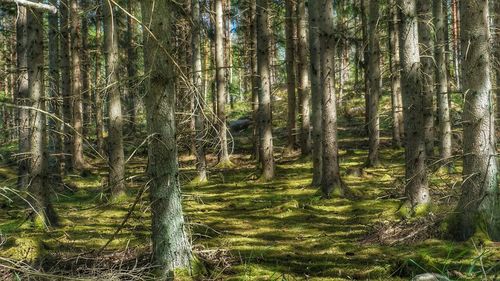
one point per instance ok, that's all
(199, 101)
(76, 86)
(417, 190)
(394, 63)
(22, 96)
(115, 138)
(441, 28)
(85, 66)
(290, 74)
(255, 78)
(364, 33)
(265, 119)
(426, 42)
(55, 137)
(66, 82)
(132, 66)
(304, 85)
(496, 47)
(99, 104)
(374, 84)
(455, 31)
(221, 83)
(331, 182)
(316, 92)
(478, 204)
(171, 247)
(43, 211)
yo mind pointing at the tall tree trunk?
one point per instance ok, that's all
(76, 86)
(426, 42)
(55, 137)
(374, 84)
(221, 83)
(497, 53)
(417, 191)
(394, 63)
(455, 31)
(316, 93)
(115, 138)
(255, 78)
(290, 74)
(43, 211)
(441, 28)
(86, 94)
(66, 82)
(98, 98)
(265, 119)
(22, 96)
(304, 85)
(132, 66)
(171, 247)
(199, 100)
(478, 204)
(331, 182)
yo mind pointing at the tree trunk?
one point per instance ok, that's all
(425, 40)
(374, 84)
(316, 92)
(455, 31)
(331, 182)
(22, 96)
(199, 100)
(171, 247)
(99, 106)
(417, 191)
(290, 74)
(115, 138)
(55, 137)
(85, 66)
(497, 53)
(478, 204)
(255, 78)
(441, 27)
(221, 83)
(394, 64)
(76, 87)
(304, 86)
(132, 66)
(265, 119)
(43, 211)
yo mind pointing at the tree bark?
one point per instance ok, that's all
(43, 211)
(394, 64)
(304, 86)
(98, 99)
(425, 40)
(199, 99)
(76, 86)
(171, 247)
(255, 78)
(66, 83)
(290, 74)
(221, 83)
(331, 181)
(374, 84)
(455, 31)
(132, 66)
(265, 119)
(33, 5)
(316, 92)
(417, 191)
(441, 27)
(478, 204)
(115, 138)
(22, 96)
(496, 46)
(85, 66)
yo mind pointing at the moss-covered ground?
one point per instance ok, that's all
(244, 229)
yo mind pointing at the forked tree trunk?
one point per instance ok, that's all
(116, 163)
(304, 85)
(43, 211)
(374, 84)
(171, 247)
(290, 74)
(478, 204)
(265, 119)
(199, 99)
(316, 92)
(441, 28)
(331, 182)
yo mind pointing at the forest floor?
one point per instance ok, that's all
(245, 229)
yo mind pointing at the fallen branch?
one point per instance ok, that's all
(34, 5)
